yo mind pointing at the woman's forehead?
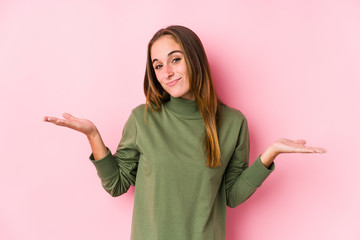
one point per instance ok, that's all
(163, 46)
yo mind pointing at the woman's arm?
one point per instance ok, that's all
(86, 127)
(284, 145)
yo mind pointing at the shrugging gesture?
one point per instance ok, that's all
(178, 77)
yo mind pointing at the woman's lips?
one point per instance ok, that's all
(173, 82)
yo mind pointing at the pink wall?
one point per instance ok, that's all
(291, 66)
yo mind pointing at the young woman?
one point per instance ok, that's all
(185, 150)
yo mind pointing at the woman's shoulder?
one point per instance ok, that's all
(139, 108)
(138, 111)
(229, 113)
(142, 109)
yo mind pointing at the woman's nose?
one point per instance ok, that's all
(168, 71)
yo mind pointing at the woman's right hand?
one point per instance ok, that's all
(82, 125)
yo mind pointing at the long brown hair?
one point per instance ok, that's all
(200, 84)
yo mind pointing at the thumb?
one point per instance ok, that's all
(300, 141)
(68, 116)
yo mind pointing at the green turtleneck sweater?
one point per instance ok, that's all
(177, 197)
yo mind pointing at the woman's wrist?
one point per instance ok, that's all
(97, 145)
(93, 135)
(268, 156)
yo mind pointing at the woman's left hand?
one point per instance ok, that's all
(284, 145)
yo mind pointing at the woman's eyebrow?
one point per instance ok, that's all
(175, 51)
(169, 54)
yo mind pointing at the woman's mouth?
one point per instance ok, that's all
(173, 82)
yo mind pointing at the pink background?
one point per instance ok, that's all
(292, 67)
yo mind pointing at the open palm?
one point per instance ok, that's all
(284, 145)
(79, 124)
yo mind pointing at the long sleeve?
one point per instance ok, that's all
(241, 181)
(117, 172)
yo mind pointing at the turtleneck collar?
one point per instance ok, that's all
(183, 107)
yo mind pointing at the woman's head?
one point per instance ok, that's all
(198, 70)
(176, 56)
(169, 64)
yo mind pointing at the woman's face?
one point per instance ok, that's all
(170, 67)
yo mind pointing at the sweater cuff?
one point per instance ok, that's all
(257, 172)
(106, 167)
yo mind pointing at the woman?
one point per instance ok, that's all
(186, 151)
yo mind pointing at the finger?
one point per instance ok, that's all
(57, 121)
(320, 150)
(305, 150)
(68, 116)
(49, 119)
(300, 141)
(316, 149)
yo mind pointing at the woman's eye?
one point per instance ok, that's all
(158, 66)
(176, 60)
